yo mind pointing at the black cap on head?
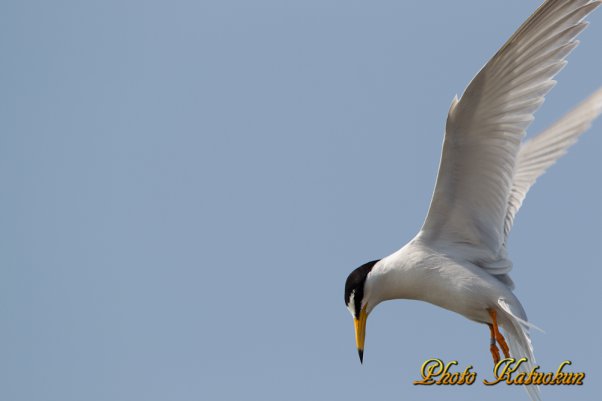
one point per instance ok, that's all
(355, 285)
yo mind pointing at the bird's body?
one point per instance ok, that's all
(458, 260)
(424, 272)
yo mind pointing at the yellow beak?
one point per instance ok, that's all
(360, 333)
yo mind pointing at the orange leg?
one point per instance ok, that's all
(495, 352)
(495, 333)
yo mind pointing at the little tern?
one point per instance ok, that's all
(458, 260)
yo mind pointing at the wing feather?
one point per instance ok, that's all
(475, 187)
(538, 154)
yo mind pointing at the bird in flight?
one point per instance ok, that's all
(458, 260)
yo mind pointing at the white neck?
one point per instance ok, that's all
(395, 277)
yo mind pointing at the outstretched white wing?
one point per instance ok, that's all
(539, 153)
(484, 130)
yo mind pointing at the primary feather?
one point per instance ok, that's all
(538, 154)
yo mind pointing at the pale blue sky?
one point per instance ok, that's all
(185, 186)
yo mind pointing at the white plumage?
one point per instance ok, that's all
(459, 260)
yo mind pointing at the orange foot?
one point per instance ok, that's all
(496, 335)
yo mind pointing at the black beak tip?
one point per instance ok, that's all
(361, 354)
